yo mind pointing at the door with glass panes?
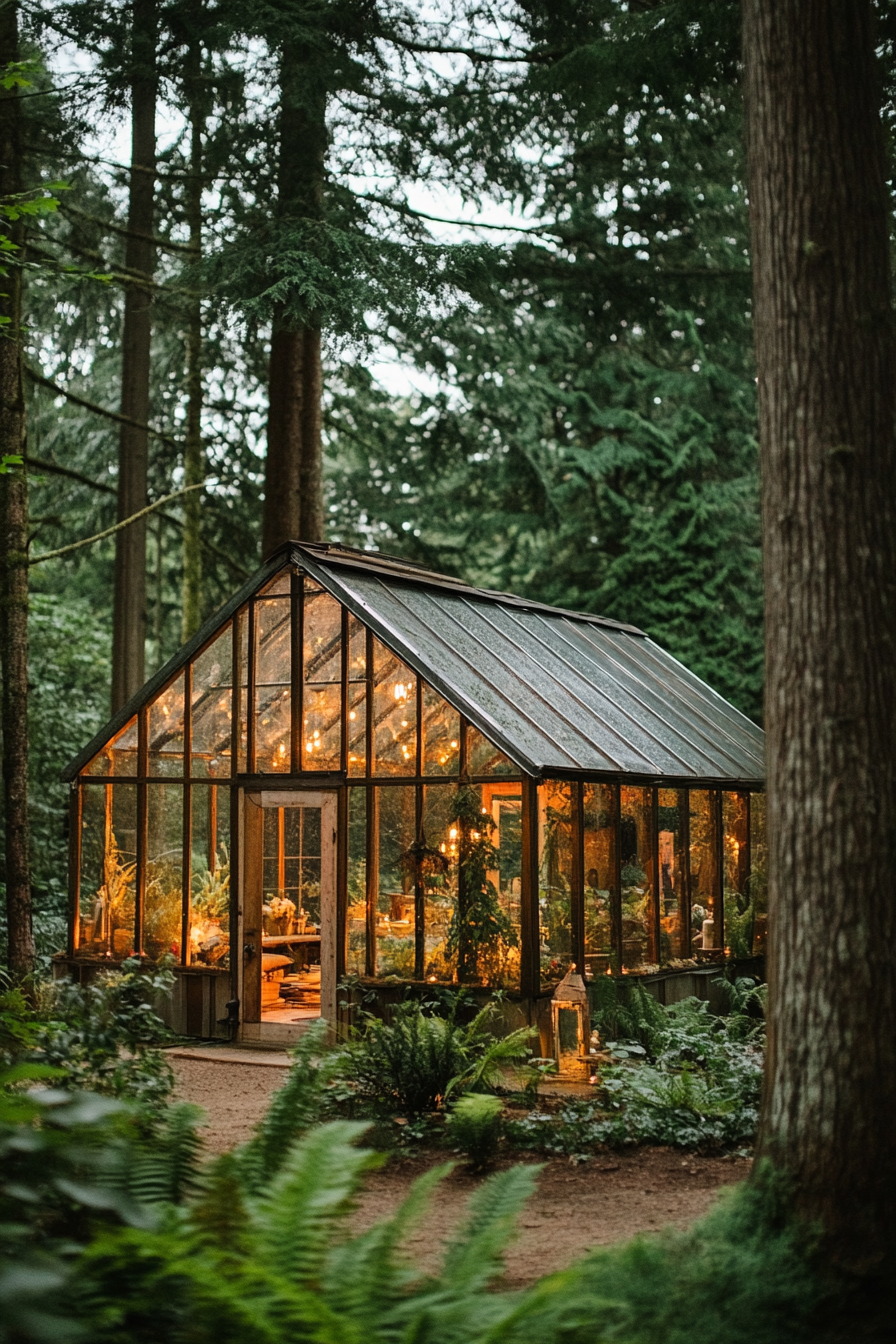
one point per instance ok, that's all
(289, 908)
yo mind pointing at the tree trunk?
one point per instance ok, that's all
(825, 352)
(293, 489)
(129, 619)
(14, 548)
(194, 464)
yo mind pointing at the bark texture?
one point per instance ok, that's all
(14, 549)
(194, 463)
(129, 618)
(293, 490)
(825, 352)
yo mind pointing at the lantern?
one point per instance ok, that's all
(571, 1024)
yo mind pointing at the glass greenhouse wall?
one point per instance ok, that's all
(453, 864)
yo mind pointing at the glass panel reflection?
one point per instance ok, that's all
(356, 940)
(394, 715)
(212, 707)
(166, 730)
(639, 950)
(357, 697)
(273, 662)
(322, 670)
(108, 877)
(118, 757)
(484, 758)
(758, 872)
(441, 735)
(242, 621)
(209, 935)
(556, 828)
(469, 866)
(599, 816)
(395, 919)
(674, 931)
(163, 906)
(739, 909)
(706, 933)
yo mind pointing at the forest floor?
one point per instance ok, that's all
(575, 1206)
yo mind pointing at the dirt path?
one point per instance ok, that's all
(575, 1207)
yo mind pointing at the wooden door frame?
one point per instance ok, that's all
(254, 802)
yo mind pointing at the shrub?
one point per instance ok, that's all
(474, 1127)
(416, 1061)
(101, 1037)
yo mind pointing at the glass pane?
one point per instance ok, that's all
(441, 735)
(356, 948)
(394, 715)
(484, 758)
(166, 730)
(322, 712)
(758, 872)
(470, 867)
(739, 911)
(674, 934)
(212, 707)
(209, 943)
(118, 757)
(599, 803)
(292, 870)
(555, 877)
(639, 950)
(163, 906)
(357, 697)
(242, 620)
(273, 662)
(704, 834)
(108, 875)
(396, 834)
(438, 876)
(279, 585)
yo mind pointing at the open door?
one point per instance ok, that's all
(289, 911)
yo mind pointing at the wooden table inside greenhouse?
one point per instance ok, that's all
(278, 940)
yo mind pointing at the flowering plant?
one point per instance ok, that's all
(281, 906)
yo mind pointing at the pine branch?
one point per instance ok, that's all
(117, 527)
(101, 410)
(162, 243)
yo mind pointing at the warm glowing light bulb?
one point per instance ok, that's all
(401, 692)
(282, 749)
(454, 744)
(452, 834)
(352, 714)
(316, 734)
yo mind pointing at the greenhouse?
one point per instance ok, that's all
(360, 773)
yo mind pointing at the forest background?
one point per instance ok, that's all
(522, 238)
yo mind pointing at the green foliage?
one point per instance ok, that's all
(417, 1060)
(745, 1274)
(479, 926)
(474, 1127)
(75, 1165)
(100, 1037)
(282, 1265)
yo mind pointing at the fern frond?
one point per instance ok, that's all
(294, 1221)
(294, 1108)
(364, 1276)
(475, 1255)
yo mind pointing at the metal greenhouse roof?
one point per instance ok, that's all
(558, 691)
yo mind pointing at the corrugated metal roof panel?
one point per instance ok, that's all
(557, 691)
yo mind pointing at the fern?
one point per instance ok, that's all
(475, 1255)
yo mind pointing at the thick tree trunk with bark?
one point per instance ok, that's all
(129, 619)
(293, 493)
(194, 464)
(14, 549)
(827, 399)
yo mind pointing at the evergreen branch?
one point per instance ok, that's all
(41, 464)
(101, 410)
(402, 208)
(474, 55)
(161, 243)
(116, 527)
